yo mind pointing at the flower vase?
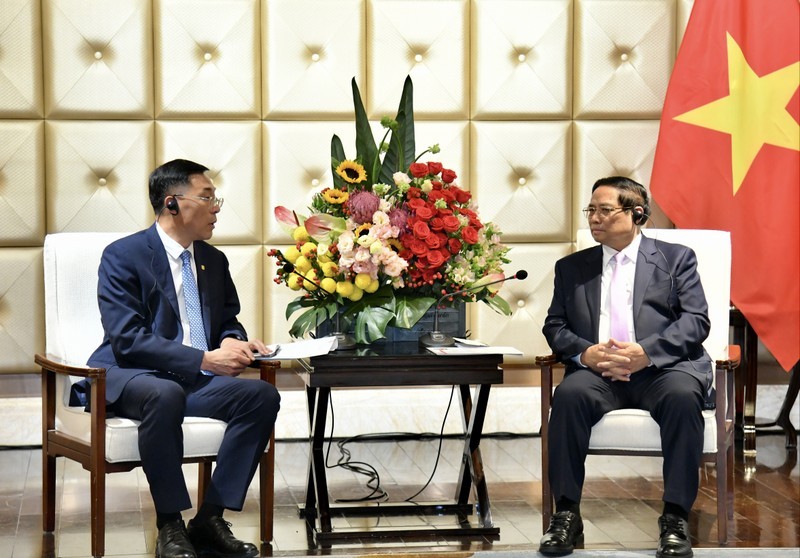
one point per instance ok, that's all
(452, 321)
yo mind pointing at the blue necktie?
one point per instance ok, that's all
(197, 333)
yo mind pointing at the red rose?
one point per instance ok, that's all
(448, 176)
(429, 276)
(435, 259)
(413, 192)
(433, 242)
(454, 245)
(421, 230)
(462, 196)
(437, 184)
(415, 203)
(425, 213)
(435, 195)
(451, 223)
(434, 168)
(470, 235)
(475, 222)
(418, 170)
(449, 195)
(436, 224)
(417, 247)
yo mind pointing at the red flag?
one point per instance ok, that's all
(728, 154)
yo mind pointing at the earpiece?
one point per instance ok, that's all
(639, 216)
(172, 206)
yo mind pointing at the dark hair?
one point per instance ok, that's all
(630, 192)
(169, 176)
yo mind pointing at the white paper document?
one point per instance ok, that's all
(304, 348)
(475, 350)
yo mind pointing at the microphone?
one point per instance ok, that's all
(344, 341)
(436, 338)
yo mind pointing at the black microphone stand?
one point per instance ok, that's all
(436, 338)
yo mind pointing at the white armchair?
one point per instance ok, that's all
(99, 443)
(633, 431)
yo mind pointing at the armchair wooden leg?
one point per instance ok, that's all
(48, 491)
(203, 480)
(98, 511)
(266, 479)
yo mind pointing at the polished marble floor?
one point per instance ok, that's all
(620, 507)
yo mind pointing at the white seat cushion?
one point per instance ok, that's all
(201, 436)
(641, 432)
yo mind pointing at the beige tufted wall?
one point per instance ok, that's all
(531, 101)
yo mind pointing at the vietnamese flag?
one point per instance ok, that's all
(728, 154)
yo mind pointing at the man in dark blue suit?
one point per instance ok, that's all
(173, 347)
(628, 319)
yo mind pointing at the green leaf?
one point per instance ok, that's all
(409, 309)
(366, 149)
(307, 321)
(371, 324)
(294, 306)
(382, 298)
(401, 146)
(337, 156)
(498, 304)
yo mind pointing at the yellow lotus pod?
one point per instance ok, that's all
(308, 248)
(302, 264)
(291, 254)
(300, 234)
(328, 284)
(373, 286)
(345, 288)
(329, 269)
(311, 284)
(356, 295)
(363, 280)
(294, 282)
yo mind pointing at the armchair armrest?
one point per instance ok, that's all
(732, 359)
(267, 369)
(58, 365)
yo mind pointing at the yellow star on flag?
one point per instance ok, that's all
(753, 113)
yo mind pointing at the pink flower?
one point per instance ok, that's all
(362, 205)
(398, 218)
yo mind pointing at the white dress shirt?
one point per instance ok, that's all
(174, 251)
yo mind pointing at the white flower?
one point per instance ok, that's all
(401, 178)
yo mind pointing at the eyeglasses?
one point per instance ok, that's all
(604, 211)
(213, 201)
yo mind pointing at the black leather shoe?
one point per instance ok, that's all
(214, 537)
(563, 534)
(173, 541)
(674, 537)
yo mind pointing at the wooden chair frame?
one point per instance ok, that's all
(92, 455)
(722, 458)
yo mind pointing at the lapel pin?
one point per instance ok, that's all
(202, 267)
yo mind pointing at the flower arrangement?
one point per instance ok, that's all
(390, 238)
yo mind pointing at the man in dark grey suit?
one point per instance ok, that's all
(173, 347)
(628, 319)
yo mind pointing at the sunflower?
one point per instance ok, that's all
(362, 230)
(395, 245)
(351, 171)
(335, 196)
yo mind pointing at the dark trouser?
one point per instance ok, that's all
(250, 408)
(673, 398)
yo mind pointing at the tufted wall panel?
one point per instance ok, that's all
(20, 59)
(530, 102)
(97, 61)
